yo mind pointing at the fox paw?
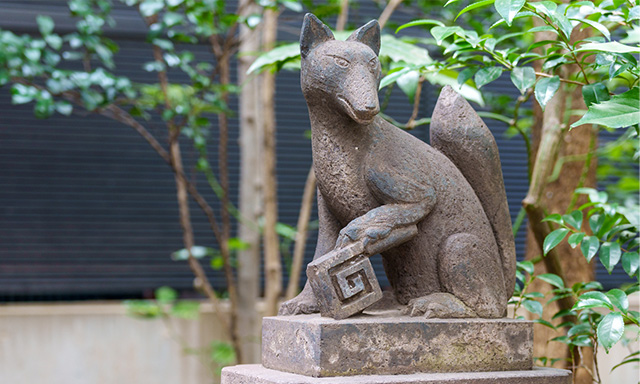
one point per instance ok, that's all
(438, 306)
(302, 304)
(358, 230)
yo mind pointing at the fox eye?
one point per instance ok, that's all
(340, 62)
(373, 63)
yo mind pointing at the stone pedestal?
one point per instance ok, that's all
(257, 374)
(390, 348)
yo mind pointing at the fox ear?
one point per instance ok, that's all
(313, 33)
(368, 34)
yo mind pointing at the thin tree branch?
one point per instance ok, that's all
(388, 11)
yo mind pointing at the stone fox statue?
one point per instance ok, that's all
(375, 181)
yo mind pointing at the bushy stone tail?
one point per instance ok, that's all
(459, 133)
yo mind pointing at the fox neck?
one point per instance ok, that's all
(328, 124)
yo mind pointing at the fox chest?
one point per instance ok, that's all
(340, 176)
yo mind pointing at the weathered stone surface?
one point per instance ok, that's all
(372, 345)
(257, 374)
(377, 183)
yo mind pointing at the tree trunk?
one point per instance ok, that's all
(273, 265)
(250, 199)
(556, 196)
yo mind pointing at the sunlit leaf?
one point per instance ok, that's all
(610, 255)
(553, 239)
(485, 76)
(575, 239)
(630, 263)
(545, 89)
(620, 111)
(595, 93)
(552, 279)
(610, 330)
(574, 219)
(508, 9)
(589, 247)
(619, 299)
(420, 22)
(473, 6)
(523, 78)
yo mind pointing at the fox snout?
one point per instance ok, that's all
(359, 98)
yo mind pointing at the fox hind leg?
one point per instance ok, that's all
(471, 279)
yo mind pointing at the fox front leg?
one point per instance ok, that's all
(386, 226)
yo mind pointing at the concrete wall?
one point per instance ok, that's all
(97, 343)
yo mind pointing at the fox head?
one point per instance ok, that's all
(341, 75)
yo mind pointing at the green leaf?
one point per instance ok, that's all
(393, 76)
(619, 299)
(278, 54)
(610, 255)
(630, 262)
(523, 78)
(595, 222)
(533, 306)
(553, 239)
(545, 7)
(22, 94)
(575, 239)
(449, 77)
(610, 47)
(552, 279)
(166, 295)
(473, 6)
(196, 251)
(186, 309)
(286, 231)
(594, 299)
(620, 111)
(545, 323)
(408, 83)
(222, 353)
(164, 44)
(545, 89)
(151, 7)
(64, 108)
(601, 28)
(486, 75)
(465, 75)
(610, 330)
(171, 19)
(554, 218)
(579, 329)
(563, 23)
(401, 52)
(589, 247)
(440, 33)
(526, 266)
(595, 93)
(142, 308)
(45, 25)
(420, 22)
(508, 9)
(574, 219)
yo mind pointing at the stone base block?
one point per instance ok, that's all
(376, 345)
(257, 374)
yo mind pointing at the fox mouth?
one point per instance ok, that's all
(359, 116)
